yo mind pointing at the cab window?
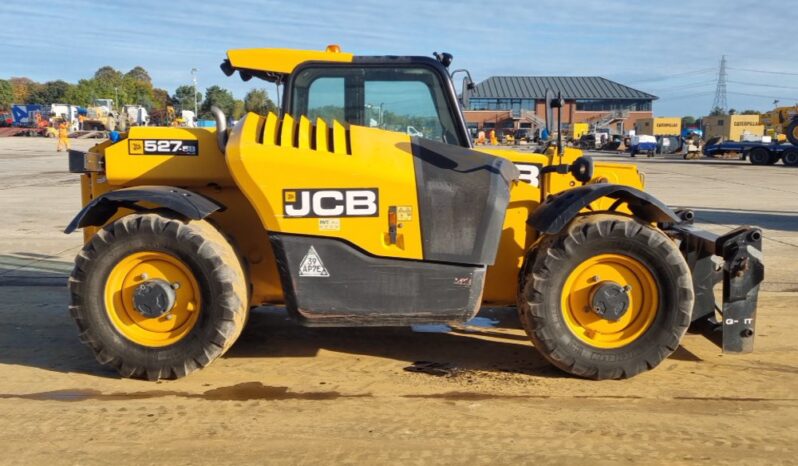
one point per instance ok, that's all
(405, 99)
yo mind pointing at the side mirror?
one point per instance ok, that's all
(468, 85)
(549, 111)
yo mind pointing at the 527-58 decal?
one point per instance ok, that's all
(163, 146)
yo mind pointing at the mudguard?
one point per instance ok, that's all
(183, 202)
(558, 210)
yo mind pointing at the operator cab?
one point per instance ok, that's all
(411, 95)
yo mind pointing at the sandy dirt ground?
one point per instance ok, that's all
(291, 395)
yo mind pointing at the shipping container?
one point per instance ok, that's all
(660, 126)
(733, 127)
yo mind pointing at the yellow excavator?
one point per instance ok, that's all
(350, 224)
(779, 123)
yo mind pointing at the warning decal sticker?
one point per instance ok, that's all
(312, 266)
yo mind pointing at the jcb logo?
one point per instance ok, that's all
(529, 173)
(331, 202)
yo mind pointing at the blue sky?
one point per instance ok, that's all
(668, 48)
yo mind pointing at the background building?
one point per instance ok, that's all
(512, 102)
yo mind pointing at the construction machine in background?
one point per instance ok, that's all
(791, 131)
(778, 120)
(577, 130)
(186, 229)
(163, 117)
(101, 116)
(135, 115)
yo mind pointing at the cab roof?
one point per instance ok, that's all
(273, 64)
(276, 64)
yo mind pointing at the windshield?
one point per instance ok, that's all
(405, 99)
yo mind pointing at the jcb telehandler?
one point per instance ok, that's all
(338, 210)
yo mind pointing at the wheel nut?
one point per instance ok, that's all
(595, 278)
(170, 316)
(627, 288)
(175, 285)
(144, 276)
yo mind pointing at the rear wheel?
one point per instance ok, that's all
(790, 157)
(760, 156)
(155, 297)
(607, 299)
(792, 132)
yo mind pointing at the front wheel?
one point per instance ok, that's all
(607, 299)
(156, 297)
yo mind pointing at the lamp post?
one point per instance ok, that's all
(194, 80)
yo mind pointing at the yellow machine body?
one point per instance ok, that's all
(257, 169)
(364, 203)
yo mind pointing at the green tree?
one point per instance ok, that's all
(238, 109)
(20, 89)
(137, 92)
(688, 121)
(109, 74)
(750, 112)
(83, 93)
(258, 101)
(50, 92)
(717, 111)
(184, 97)
(327, 113)
(160, 98)
(6, 94)
(109, 84)
(219, 97)
(139, 74)
(137, 87)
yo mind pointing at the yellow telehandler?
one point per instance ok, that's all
(337, 210)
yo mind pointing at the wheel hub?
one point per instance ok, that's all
(610, 300)
(154, 298)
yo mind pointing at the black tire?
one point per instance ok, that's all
(551, 262)
(792, 132)
(215, 267)
(790, 157)
(759, 156)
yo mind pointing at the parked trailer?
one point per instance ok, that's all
(758, 153)
(24, 115)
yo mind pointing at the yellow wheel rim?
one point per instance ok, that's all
(132, 271)
(577, 298)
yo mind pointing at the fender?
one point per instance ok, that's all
(186, 203)
(558, 210)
